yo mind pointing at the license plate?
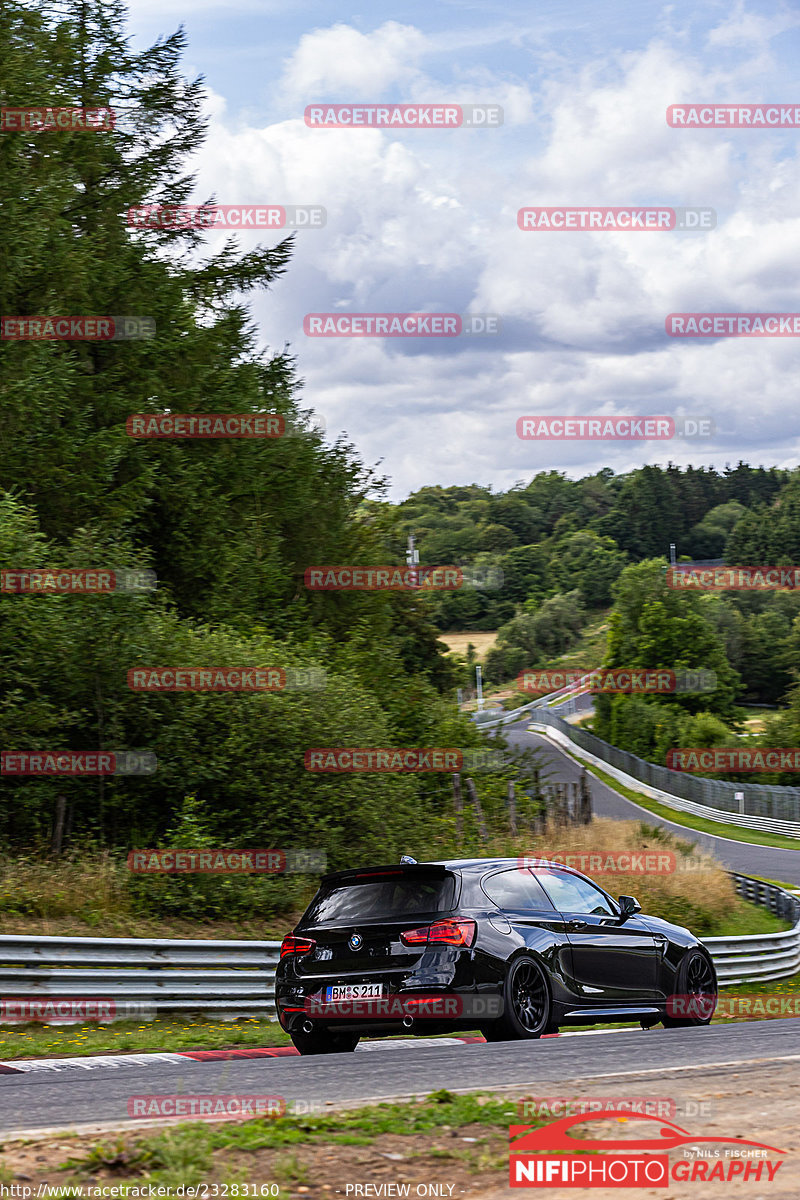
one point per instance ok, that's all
(353, 991)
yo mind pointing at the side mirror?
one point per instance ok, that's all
(628, 906)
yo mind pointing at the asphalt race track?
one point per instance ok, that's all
(72, 1098)
(747, 858)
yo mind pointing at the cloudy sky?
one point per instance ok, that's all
(425, 220)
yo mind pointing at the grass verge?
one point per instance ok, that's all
(465, 1137)
(185, 1032)
(719, 828)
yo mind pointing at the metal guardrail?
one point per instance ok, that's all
(769, 807)
(514, 714)
(239, 976)
(783, 903)
(756, 958)
(208, 976)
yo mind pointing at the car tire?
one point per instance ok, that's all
(320, 1041)
(695, 977)
(527, 1005)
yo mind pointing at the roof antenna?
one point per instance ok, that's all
(407, 860)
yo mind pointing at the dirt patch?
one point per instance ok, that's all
(481, 639)
(471, 1159)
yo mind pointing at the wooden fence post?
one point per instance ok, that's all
(458, 803)
(585, 799)
(58, 825)
(512, 808)
(472, 792)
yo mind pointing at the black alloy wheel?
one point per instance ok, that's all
(697, 991)
(526, 1004)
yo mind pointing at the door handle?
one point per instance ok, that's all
(576, 924)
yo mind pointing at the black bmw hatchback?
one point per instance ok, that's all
(514, 950)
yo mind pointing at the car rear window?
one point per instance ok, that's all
(376, 898)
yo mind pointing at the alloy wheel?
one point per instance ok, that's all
(529, 996)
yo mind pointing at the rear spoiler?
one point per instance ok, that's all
(427, 869)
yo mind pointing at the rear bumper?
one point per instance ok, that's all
(401, 1010)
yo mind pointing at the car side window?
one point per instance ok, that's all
(517, 889)
(570, 893)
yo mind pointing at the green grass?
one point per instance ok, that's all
(189, 1033)
(191, 1152)
(720, 828)
(590, 648)
(781, 883)
(752, 918)
(186, 1032)
(775, 987)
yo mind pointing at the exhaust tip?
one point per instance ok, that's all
(408, 1022)
(308, 1026)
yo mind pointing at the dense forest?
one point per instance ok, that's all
(559, 535)
(230, 526)
(227, 526)
(601, 544)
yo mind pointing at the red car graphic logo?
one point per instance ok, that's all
(554, 1136)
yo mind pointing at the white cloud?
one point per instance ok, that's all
(342, 62)
(753, 30)
(425, 220)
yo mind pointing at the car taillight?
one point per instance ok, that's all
(296, 945)
(442, 933)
